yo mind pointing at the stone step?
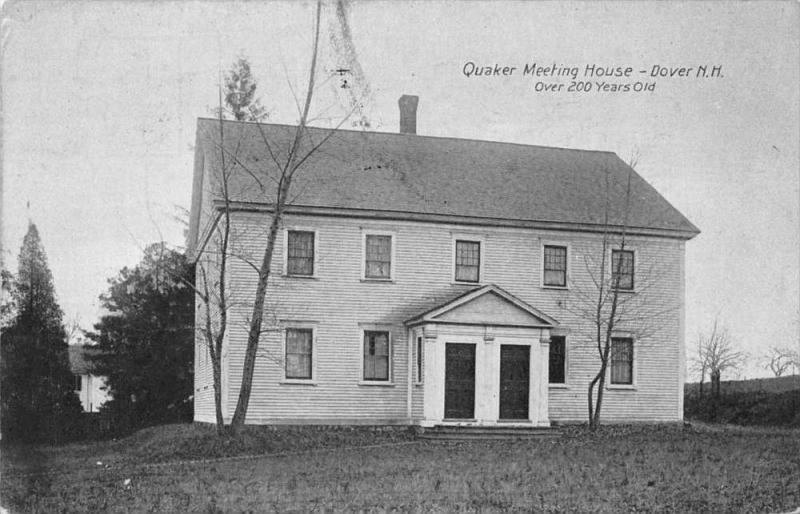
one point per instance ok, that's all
(483, 432)
(484, 437)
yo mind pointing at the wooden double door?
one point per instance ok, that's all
(459, 396)
(515, 366)
(459, 381)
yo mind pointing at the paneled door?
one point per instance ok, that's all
(459, 380)
(514, 381)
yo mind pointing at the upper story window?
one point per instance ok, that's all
(78, 382)
(555, 266)
(378, 256)
(376, 355)
(622, 361)
(300, 253)
(558, 360)
(299, 353)
(467, 261)
(622, 263)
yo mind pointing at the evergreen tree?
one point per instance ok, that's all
(239, 93)
(146, 341)
(36, 385)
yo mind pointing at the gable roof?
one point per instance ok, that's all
(487, 305)
(433, 176)
(80, 358)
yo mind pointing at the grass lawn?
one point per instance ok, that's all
(621, 469)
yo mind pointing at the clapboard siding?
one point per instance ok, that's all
(657, 340)
(204, 408)
(337, 301)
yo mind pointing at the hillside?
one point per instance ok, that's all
(765, 401)
(766, 385)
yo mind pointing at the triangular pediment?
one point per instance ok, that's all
(488, 305)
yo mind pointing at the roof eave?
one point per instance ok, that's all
(348, 212)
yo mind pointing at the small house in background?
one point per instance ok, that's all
(89, 387)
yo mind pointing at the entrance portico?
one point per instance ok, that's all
(485, 360)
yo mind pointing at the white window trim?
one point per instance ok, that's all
(541, 265)
(627, 248)
(314, 351)
(473, 238)
(419, 351)
(635, 347)
(293, 228)
(565, 384)
(376, 328)
(392, 264)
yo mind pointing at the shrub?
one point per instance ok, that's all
(745, 408)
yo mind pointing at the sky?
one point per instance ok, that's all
(100, 102)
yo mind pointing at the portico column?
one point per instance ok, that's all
(487, 379)
(432, 377)
(543, 415)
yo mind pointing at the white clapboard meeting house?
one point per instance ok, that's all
(432, 280)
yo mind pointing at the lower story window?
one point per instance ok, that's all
(558, 360)
(299, 352)
(622, 360)
(376, 355)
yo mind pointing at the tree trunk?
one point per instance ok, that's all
(591, 400)
(256, 321)
(599, 403)
(715, 390)
(217, 371)
(715, 383)
(596, 405)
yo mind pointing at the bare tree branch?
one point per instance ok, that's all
(782, 360)
(716, 354)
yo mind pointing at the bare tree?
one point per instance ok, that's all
(280, 169)
(609, 303)
(699, 365)
(75, 334)
(300, 149)
(211, 278)
(716, 354)
(605, 309)
(223, 243)
(780, 361)
(211, 287)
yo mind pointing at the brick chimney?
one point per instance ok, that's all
(408, 114)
